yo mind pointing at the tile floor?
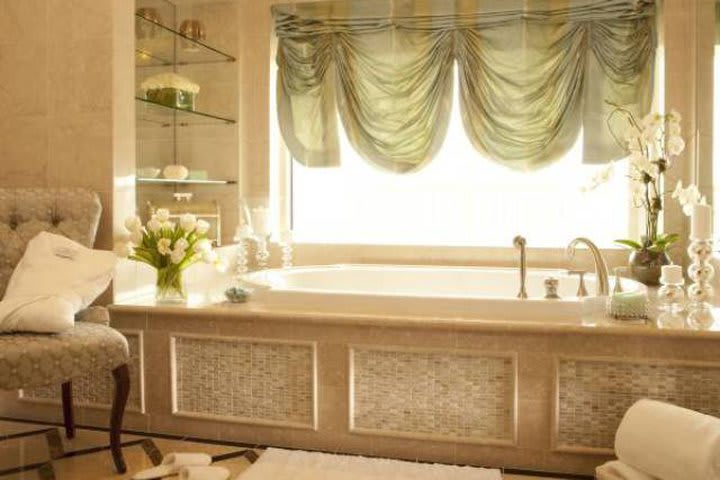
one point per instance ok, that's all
(40, 452)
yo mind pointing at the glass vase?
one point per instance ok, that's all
(169, 286)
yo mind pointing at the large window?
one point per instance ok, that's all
(458, 199)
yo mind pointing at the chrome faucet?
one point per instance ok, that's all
(521, 243)
(601, 269)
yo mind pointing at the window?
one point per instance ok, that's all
(458, 199)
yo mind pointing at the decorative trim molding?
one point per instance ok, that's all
(245, 368)
(136, 402)
(502, 367)
(609, 405)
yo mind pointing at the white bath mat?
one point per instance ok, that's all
(277, 464)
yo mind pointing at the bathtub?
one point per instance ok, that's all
(434, 291)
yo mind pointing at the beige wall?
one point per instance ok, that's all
(66, 84)
(60, 97)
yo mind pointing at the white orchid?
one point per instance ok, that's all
(188, 222)
(674, 116)
(163, 246)
(651, 144)
(688, 197)
(133, 224)
(202, 227)
(162, 214)
(675, 145)
(600, 177)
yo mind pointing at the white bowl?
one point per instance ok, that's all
(148, 172)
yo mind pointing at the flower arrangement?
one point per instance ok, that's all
(168, 247)
(652, 144)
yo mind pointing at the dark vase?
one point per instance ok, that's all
(646, 266)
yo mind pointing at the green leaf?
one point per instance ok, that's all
(630, 244)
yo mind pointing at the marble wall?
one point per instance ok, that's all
(65, 121)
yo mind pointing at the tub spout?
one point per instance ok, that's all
(520, 243)
(601, 269)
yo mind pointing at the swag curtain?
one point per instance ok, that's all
(529, 78)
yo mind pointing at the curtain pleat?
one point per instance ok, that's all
(529, 80)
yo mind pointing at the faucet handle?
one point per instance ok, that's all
(582, 291)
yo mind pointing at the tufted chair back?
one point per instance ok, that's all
(25, 212)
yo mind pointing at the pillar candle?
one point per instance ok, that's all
(701, 222)
(260, 217)
(672, 274)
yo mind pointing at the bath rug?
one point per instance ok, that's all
(300, 465)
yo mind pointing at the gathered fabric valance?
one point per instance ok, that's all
(530, 77)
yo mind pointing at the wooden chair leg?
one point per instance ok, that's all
(122, 389)
(68, 415)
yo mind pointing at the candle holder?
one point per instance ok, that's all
(286, 248)
(241, 256)
(262, 254)
(700, 293)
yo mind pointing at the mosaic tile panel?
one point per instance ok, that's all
(432, 394)
(593, 395)
(246, 380)
(96, 389)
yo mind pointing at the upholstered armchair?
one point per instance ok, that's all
(34, 360)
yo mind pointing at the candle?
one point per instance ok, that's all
(671, 275)
(260, 217)
(701, 222)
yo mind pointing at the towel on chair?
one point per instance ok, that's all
(669, 442)
(617, 470)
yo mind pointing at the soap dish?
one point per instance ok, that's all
(236, 295)
(619, 308)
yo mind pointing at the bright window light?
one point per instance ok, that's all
(458, 199)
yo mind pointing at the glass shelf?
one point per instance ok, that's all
(162, 45)
(157, 114)
(167, 181)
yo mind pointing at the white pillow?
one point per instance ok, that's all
(55, 279)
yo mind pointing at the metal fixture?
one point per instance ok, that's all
(581, 291)
(601, 269)
(551, 288)
(520, 243)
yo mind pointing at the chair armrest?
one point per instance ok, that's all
(99, 315)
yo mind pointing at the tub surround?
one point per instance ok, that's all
(457, 390)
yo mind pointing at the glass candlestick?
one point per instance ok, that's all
(262, 255)
(286, 247)
(242, 234)
(700, 292)
(701, 272)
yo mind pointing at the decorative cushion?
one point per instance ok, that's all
(25, 212)
(35, 360)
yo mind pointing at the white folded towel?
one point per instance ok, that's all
(172, 463)
(617, 470)
(204, 473)
(669, 442)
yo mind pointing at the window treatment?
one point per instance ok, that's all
(531, 75)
